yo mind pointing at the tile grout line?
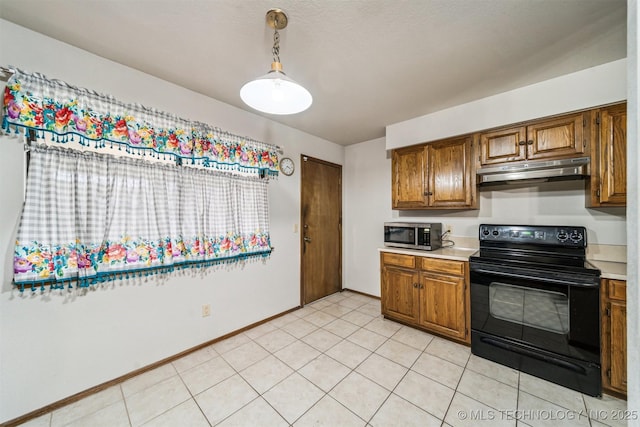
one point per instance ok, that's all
(193, 398)
(374, 352)
(260, 395)
(335, 311)
(455, 390)
(126, 407)
(326, 394)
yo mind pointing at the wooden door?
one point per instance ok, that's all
(400, 294)
(557, 138)
(408, 177)
(442, 304)
(613, 156)
(321, 236)
(503, 145)
(451, 184)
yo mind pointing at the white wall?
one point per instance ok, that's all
(55, 345)
(367, 204)
(368, 195)
(633, 197)
(52, 346)
(603, 84)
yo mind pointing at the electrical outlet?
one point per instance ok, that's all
(448, 228)
(206, 310)
(295, 228)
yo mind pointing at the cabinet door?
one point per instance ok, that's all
(400, 294)
(451, 183)
(618, 343)
(557, 138)
(614, 335)
(503, 146)
(442, 307)
(612, 156)
(408, 175)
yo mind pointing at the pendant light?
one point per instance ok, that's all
(275, 92)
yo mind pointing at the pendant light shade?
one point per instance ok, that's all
(275, 92)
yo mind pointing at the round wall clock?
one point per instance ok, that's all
(287, 166)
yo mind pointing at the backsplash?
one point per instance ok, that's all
(464, 242)
(612, 253)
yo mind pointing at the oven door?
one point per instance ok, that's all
(561, 316)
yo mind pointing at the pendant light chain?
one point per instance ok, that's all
(276, 46)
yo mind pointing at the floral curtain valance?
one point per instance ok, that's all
(90, 217)
(31, 101)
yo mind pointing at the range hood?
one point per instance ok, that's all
(546, 170)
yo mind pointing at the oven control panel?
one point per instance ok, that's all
(536, 234)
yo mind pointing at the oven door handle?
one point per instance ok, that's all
(530, 277)
(534, 354)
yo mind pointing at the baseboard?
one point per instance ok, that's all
(93, 390)
(361, 293)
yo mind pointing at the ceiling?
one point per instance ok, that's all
(367, 63)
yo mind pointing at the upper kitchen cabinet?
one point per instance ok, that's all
(556, 138)
(409, 174)
(438, 175)
(608, 183)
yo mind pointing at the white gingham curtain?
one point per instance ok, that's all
(92, 217)
(62, 113)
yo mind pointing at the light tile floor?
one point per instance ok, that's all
(336, 362)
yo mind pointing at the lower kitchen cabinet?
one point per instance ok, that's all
(614, 335)
(428, 293)
(400, 294)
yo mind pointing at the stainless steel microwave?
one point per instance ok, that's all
(411, 235)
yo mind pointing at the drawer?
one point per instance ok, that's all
(447, 266)
(617, 289)
(407, 261)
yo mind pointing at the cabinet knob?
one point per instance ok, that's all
(428, 193)
(415, 285)
(530, 142)
(522, 143)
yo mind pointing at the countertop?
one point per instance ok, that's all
(454, 253)
(608, 269)
(611, 270)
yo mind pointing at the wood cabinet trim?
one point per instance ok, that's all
(617, 290)
(613, 336)
(399, 260)
(452, 302)
(438, 265)
(447, 179)
(536, 139)
(607, 184)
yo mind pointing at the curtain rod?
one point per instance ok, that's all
(10, 71)
(5, 73)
